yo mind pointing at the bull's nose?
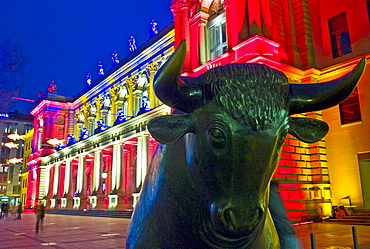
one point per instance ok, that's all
(240, 222)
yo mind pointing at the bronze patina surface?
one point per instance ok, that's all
(208, 182)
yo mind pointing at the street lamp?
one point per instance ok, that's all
(54, 142)
(16, 137)
(15, 160)
(104, 175)
(11, 145)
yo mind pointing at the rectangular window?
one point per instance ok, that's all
(217, 36)
(15, 128)
(27, 128)
(350, 109)
(368, 9)
(16, 189)
(8, 127)
(339, 35)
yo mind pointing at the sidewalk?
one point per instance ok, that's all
(66, 231)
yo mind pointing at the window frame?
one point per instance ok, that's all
(339, 35)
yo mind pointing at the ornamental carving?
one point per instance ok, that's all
(99, 103)
(132, 82)
(113, 93)
(86, 109)
(153, 67)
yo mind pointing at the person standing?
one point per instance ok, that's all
(19, 211)
(40, 213)
(3, 208)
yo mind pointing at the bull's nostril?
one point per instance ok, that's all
(241, 222)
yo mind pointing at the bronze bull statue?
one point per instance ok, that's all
(208, 181)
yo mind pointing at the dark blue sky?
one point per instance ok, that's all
(64, 40)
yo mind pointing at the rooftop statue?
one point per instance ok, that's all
(101, 126)
(209, 180)
(71, 140)
(52, 87)
(100, 69)
(84, 134)
(88, 79)
(153, 29)
(120, 118)
(114, 58)
(145, 105)
(132, 44)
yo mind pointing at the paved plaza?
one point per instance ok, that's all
(65, 231)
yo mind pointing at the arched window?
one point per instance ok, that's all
(217, 29)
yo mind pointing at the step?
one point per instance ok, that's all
(349, 221)
(357, 217)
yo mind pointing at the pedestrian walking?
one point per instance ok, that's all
(19, 211)
(4, 210)
(40, 213)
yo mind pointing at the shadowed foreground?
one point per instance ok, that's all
(65, 231)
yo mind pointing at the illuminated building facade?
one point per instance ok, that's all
(13, 126)
(310, 41)
(105, 165)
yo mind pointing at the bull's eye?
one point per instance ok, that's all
(217, 137)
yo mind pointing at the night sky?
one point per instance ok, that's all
(65, 40)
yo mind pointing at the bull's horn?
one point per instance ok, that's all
(183, 95)
(314, 97)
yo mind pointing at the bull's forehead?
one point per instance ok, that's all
(213, 113)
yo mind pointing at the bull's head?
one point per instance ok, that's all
(237, 119)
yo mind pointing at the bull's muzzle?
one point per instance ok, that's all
(236, 222)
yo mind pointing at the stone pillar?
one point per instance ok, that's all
(152, 69)
(186, 33)
(39, 142)
(56, 180)
(68, 188)
(90, 125)
(47, 183)
(137, 96)
(131, 83)
(176, 11)
(202, 38)
(81, 181)
(98, 157)
(142, 159)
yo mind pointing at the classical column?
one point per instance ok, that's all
(68, 177)
(131, 83)
(142, 159)
(68, 191)
(229, 28)
(39, 143)
(91, 125)
(56, 179)
(98, 158)
(202, 41)
(99, 105)
(116, 166)
(113, 98)
(81, 175)
(152, 69)
(81, 181)
(46, 182)
(186, 32)
(177, 14)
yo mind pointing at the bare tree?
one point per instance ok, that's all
(12, 75)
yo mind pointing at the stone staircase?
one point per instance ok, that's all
(92, 213)
(360, 217)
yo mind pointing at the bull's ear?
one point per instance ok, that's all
(169, 128)
(307, 129)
